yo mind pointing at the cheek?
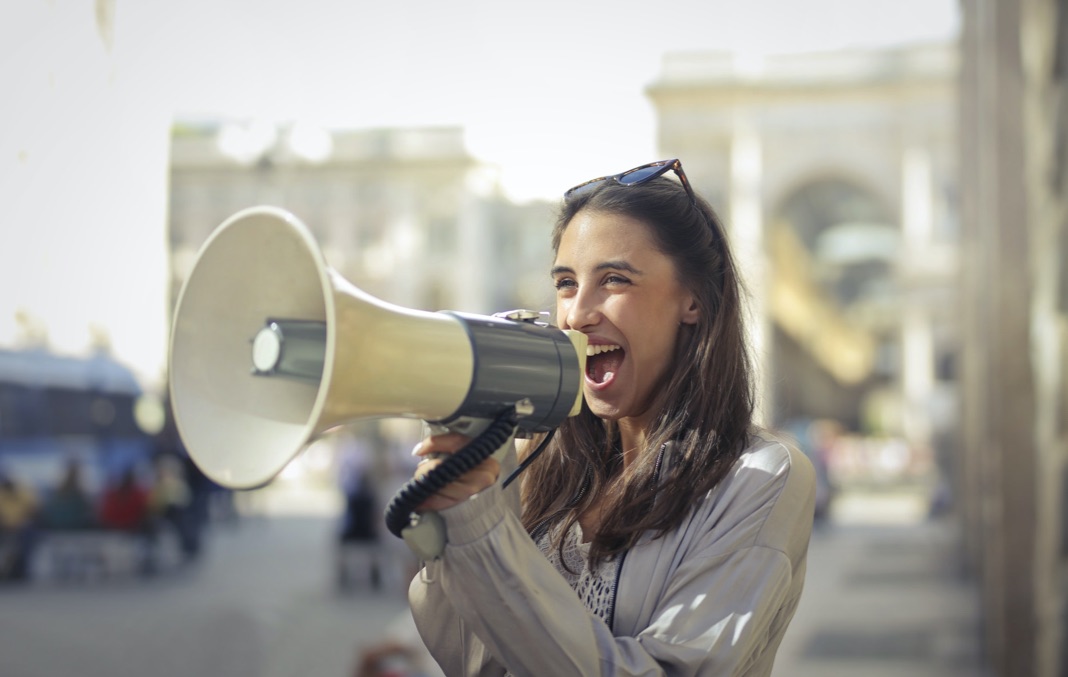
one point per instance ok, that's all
(561, 314)
(659, 340)
(661, 347)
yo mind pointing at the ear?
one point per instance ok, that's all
(690, 313)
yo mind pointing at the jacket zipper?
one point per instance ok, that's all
(623, 555)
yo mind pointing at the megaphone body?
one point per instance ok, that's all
(271, 348)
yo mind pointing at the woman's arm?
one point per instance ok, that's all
(511, 600)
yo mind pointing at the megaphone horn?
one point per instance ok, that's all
(271, 348)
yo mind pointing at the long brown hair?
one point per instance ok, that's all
(705, 404)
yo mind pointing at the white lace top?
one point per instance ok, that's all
(595, 587)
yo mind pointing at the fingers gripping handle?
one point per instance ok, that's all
(425, 532)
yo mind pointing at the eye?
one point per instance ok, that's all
(564, 283)
(615, 279)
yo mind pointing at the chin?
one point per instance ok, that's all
(602, 409)
(609, 411)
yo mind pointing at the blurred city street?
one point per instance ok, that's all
(883, 597)
(261, 603)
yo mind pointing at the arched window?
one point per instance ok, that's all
(851, 237)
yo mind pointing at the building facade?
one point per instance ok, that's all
(406, 215)
(836, 174)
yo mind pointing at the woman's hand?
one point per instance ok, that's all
(433, 450)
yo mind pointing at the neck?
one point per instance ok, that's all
(632, 436)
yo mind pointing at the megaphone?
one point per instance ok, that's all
(271, 348)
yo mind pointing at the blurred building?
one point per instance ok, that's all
(1012, 470)
(837, 176)
(407, 215)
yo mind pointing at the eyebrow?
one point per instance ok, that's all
(607, 265)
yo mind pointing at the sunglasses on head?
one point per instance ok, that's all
(637, 176)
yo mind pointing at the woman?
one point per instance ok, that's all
(660, 532)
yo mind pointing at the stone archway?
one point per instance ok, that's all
(832, 247)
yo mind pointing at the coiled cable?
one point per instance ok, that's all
(403, 504)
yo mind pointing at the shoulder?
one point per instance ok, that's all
(769, 464)
(777, 480)
(780, 461)
(767, 499)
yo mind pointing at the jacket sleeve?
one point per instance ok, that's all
(451, 643)
(493, 585)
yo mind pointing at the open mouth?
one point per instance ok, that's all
(602, 362)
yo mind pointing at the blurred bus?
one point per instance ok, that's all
(54, 409)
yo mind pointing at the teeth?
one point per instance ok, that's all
(592, 350)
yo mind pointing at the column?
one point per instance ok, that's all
(747, 239)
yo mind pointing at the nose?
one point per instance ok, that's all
(581, 311)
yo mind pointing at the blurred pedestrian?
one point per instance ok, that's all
(68, 506)
(19, 507)
(124, 503)
(358, 537)
(124, 507)
(170, 502)
(818, 440)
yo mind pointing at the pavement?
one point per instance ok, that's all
(263, 602)
(884, 596)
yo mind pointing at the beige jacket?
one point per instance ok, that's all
(712, 597)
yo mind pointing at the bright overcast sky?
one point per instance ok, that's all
(533, 84)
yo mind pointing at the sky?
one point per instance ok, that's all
(549, 93)
(535, 85)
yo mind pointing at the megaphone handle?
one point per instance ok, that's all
(426, 536)
(425, 533)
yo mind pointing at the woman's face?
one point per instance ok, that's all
(613, 285)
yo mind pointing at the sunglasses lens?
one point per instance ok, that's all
(636, 176)
(583, 188)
